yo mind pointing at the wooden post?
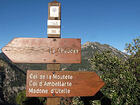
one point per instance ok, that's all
(54, 29)
(53, 101)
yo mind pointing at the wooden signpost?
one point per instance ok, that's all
(53, 83)
(43, 50)
(54, 31)
(62, 83)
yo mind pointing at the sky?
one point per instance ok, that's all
(112, 22)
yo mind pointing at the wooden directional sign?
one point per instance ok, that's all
(43, 50)
(62, 83)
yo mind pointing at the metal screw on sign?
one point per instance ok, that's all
(54, 60)
(54, 39)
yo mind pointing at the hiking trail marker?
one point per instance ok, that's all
(41, 83)
(53, 50)
(43, 50)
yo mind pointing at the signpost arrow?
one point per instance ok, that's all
(43, 50)
(62, 83)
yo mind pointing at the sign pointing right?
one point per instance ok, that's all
(62, 83)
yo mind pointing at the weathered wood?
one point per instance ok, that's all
(54, 36)
(43, 50)
(54, 22)
(54, 27)
(62, 83)
(53, 67)
(53, 101)
(56, 67)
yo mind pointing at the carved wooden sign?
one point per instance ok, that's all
(62, 83)
(43, 50)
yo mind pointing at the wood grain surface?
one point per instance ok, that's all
(62, 83)
(43, 50)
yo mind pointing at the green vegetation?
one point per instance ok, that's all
(134, 50)
(121, 77)
(21, 99)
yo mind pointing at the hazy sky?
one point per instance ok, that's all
(113, 22)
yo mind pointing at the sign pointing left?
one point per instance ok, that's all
(43, 50)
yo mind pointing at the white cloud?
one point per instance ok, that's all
(124, 51)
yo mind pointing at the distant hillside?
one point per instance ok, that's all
(13, 76)
(12, 80)
(88, 50)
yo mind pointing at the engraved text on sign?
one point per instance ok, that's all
(65, 83)
(43, 50)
